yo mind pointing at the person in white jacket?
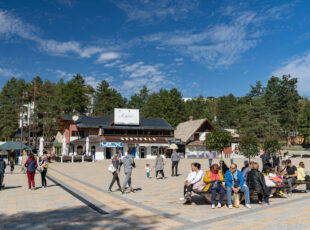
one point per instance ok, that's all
(195, 177)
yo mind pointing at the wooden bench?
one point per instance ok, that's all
(299, 182)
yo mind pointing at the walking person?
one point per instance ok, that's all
(159, 165)
(43, 169)
(175, 159)
(31, 165)
(2, 171)
(12, 164)
(24, 160)
(129, 164)
(116, 165)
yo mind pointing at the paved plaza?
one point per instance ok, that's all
(77, 198)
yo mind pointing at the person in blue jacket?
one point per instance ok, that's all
(234, 182)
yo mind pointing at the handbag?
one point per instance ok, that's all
(111, 168)
(199, 186)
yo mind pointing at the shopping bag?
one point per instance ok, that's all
(111, 168)
(236, 199)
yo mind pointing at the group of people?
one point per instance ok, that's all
(220, 179)
(30, 165)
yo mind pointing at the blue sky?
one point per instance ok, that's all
(208, 48)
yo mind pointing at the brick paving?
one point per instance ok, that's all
(155, 205)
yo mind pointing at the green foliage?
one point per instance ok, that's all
(249, 146)
(198, 108)
(10, 106)
(271, 146)
(218, 140)
(106, 99)
(166, 104)
(139, 100)
(226, 111)
(304, 121)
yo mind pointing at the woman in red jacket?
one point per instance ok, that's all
(31, 165)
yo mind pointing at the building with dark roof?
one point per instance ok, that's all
(145, 139)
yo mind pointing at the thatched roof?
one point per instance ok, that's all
(185, 130)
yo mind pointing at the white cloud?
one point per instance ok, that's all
(112, 64)
(4, 72)
(299, 68)
(13, 26)
(108, 56)
(179, 59)
(139, 69)
(93, 82)
(221, 44)
(151, 11)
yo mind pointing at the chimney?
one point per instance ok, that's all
(191, 118)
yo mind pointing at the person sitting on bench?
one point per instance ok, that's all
(213, 180)
(301, 171)
(189, 184)
(234, 182)
(290, 177)
(256, 181)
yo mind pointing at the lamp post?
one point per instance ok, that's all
(22, 125)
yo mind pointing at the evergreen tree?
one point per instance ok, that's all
(138, 101)
(198, 108)
(304, 122)
(106, 99)
(10, 106)
(75, 98)
(226, 111)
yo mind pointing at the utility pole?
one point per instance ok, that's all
(29, 122)
(21, 129)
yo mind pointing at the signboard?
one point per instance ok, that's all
(126, 116)
(111, 144)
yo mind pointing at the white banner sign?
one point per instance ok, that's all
(111, 144)
(126, 116)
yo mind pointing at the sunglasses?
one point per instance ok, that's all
(232, 168)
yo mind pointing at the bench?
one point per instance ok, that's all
(299, 182)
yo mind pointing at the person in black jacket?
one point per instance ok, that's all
(116, 165)
(2, 170)
(256, 181)
(224, 168)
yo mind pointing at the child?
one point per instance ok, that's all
(148, 169)
(12, 164)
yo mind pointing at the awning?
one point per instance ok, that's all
(14, 145)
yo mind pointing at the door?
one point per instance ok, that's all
(142, 152)
(133, 151)
(108, 153)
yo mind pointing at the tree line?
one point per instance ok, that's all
(274, 110)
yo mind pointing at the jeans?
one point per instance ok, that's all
(30, 176)
(43, 179)
(161, 172)
(264, 197)
(244, 189)
(210, 162)
(290, 182)
(175, 168)
(115, 178)
(214, 192)
(1, 180)
(231, 160)
(148, 174)
(127, 180)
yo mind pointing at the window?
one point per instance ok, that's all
(119, 131)
(154, 133)
(74, 134)
(132, 132)
(167, 133)
(154, 151)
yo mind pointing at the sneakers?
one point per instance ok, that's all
(213, 206)
(187, 202)
(230, 206)
(248, 206)
(219, 205)
(122, 191)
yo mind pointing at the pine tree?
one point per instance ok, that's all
(138, 101)
(304, 122)
(198, 108)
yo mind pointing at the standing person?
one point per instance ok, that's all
(116, 165)
(159, 165)
(263, 157)
(2, 171)
(290, 177)
(31, 165)
(214, 179)
(211, 156)
(276, 160)
(175, 159)
(256, 181)
(24, 160)
(43, 169)
(148, 170)
(232, 156)
(129, 164)
(12, 163)
(234, 182)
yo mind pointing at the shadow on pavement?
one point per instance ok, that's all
(73, 218)
(11, 187)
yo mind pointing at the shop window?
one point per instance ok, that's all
(154, 151)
